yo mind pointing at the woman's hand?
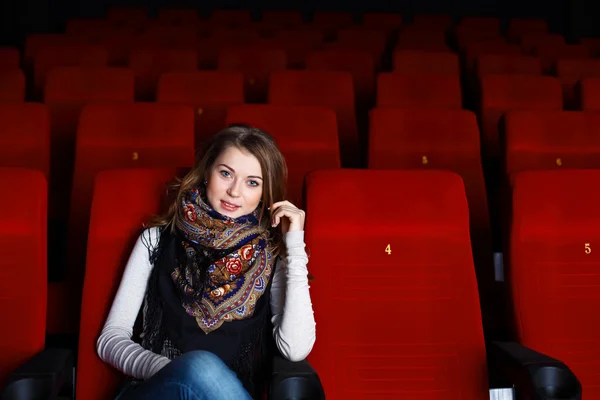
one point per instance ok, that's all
(290, 217)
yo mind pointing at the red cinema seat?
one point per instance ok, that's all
(418, 90)
(590, 94)
(518, 27)
(553, 268)
(148, 63)
(306, 135)
(322, 88)
(571, 72)
(430, 292)
(551, 139)
(110, 240)
(9, 57)
(507, 64)
(256, 64)
(23, 243)
(360, 64)
(116, 136)
(439, 139)
(430, 62)
(25, 136)
(501, 93)
(12, 85)
(211, 93)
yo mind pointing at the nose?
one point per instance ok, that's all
(234, 189)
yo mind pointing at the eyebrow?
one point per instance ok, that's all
(233, 170)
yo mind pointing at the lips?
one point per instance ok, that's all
(229, 206)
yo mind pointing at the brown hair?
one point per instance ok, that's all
(258, 143)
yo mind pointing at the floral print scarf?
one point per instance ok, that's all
(224, 264)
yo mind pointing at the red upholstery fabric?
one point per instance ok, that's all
(508, 64)
(477, 49)
(418, 90)
(431, 38)
(68, 90)
(372, 40)
(332, 21)
(570, 72)
(530, 41)
(517, 27)
(149, 63)
(92, 29)
(297, 43)
(590, 94)
(12, 85)
(179, 37)
(361, 64)
(111, 238)
(23, 283)
(551, 53)
(432, 62)
(9, 57)
(413, 138)
(501, 93)
(417, 334)
(25, 136)
(551, 139)
(553, 277)
(116, 136)
(66, 55)
(306, 135)
(35, 42)
(468, 35)
(256, 64)
(321, 88)
(209, 92)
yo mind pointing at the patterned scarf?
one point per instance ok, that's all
(224, 266)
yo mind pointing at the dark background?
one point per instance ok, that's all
(574, 18)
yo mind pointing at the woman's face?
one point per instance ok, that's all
(235, 183)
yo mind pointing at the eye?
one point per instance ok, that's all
(253, 183)
(225, 173)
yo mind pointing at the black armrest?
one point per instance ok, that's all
(41, 377)
(294, 381)
(533, 375)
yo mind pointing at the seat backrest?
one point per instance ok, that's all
(331, 89)
(422, 39)
(418, 90)
(37, 41)
(117, 136)
(148, 63)
(297, 43)
(12, 85)
(551, 139)
(209, 92)
(9, 57)
(590, 94)
(491, 64)
(306, 135)
(256, 64)
(360, 64)
(25, 136)
(23, 238)
(70, 55)
(418, 257)
(521, 91)
(111, 238)
(554, 268)
(517, 27)
(438, 139)
(419, 62)
(530, 41)
(474, 50)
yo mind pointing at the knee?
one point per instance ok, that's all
(200, 360)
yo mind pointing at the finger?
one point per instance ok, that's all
(284, 212)
(281, 203)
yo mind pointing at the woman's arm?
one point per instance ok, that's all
(114, 346)
(293, 316)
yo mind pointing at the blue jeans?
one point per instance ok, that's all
(196, 375)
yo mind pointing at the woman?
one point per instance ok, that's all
(219, 273)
